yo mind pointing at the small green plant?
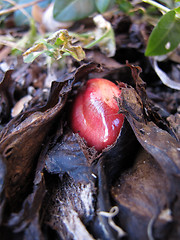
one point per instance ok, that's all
(55, 46)
(165, 36)
(61, 42)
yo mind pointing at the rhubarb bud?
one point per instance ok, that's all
(95, 113)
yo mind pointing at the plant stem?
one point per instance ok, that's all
(158, 5)
(93, 43)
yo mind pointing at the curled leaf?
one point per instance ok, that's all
(7, 87)
(75, 51)
(55, 46)
(164, 77)
(145, 193)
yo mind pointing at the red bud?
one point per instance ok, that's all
(95, 113)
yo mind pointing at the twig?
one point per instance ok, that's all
(19, 7)
(12, 2)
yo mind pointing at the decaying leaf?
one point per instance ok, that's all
(55, 184)
(20, 105)
(55, 46)
(142, 194)
(174, 121)
(52, 185)
(22, 139)
(69, 207)
(164, 77)
(7, 87)
(20, 150)
(150, 187)
(76, 51)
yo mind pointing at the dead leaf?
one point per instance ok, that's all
(68, 206)
(37, 13)
(7, 87)
(142, 193)
(20, 105)
(150, 187)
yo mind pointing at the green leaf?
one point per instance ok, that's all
(72, 10)
(102, 5)
(16, 52)
(177, 10)
(165, 37)
(124, 5)
(31, 57)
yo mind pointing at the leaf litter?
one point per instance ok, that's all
(53, 186)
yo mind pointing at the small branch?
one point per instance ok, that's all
(158, 5)
(19, 7)
(12, 2)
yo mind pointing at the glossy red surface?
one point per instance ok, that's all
(95, 113)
